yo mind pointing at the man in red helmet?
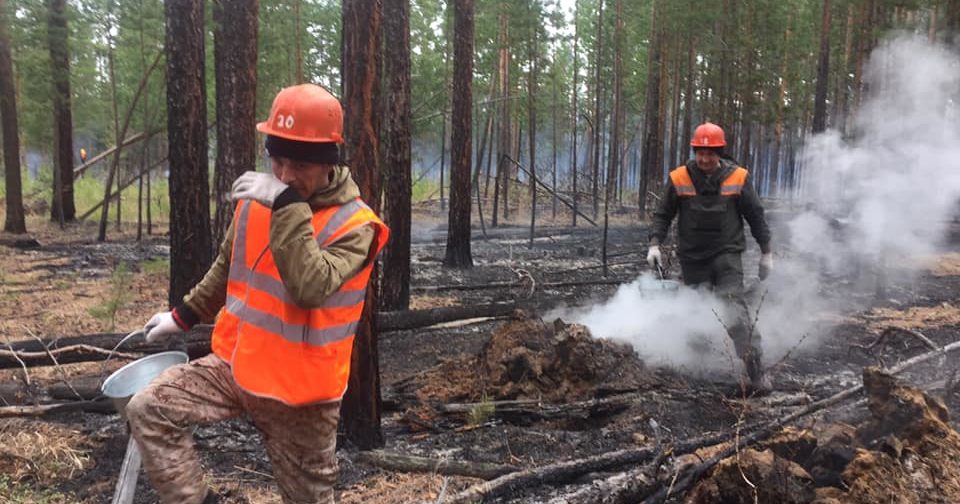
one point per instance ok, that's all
(286, 293)
(713, 196)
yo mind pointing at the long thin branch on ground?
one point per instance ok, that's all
(540, 410)
(31, 359)
(99, 406)
(409, 463)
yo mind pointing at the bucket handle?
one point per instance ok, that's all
(103, 366)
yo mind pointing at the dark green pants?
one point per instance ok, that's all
(724, 275)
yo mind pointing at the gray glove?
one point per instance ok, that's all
(261, 187)
(766, 265)
(160, 327)
(653, 256)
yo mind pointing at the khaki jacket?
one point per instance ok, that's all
(309, 273)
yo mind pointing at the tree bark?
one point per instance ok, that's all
(458, 229)
(395, 289)
(575, 111)
(190, 240)
(597, 110)
(532, 131)
(235, 58)
(361, 27)
(409, 463)
(502, 179)
(823, 72)
(15, 220)
(652, 167)
(62, 207)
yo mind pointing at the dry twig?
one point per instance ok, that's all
(55, 363)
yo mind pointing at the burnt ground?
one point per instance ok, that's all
(50, 291)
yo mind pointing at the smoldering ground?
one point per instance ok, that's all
(871, 201)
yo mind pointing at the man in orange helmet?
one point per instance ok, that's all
(286, 293)
(713, 196)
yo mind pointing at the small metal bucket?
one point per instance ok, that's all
(131, 378)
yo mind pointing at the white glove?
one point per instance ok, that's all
(261, 187)
(766, 265)
(653, 256)
(160, 327)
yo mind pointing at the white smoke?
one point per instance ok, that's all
(873, 203)
(675, 325)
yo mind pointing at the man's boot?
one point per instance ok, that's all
(759, 382)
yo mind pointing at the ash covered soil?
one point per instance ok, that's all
(521, 391)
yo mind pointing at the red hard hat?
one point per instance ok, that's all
(306, 113)
(708, 135)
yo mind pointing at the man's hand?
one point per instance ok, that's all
(653, 256)
(160, 327)
(261, 187)
(766, 265)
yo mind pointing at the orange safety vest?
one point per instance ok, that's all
(731, 186)
(275, 348)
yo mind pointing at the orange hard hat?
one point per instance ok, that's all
(305, 113)
(708, 135)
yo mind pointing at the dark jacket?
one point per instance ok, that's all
(710, 224)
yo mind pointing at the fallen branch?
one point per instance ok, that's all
(409, 463)
(412, 319)
(81, 353)
(538, 410)
(497, 285)
(98, 406)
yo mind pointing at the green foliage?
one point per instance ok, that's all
(117, 297)
(482, 411)
(156, 266)
(424, 189)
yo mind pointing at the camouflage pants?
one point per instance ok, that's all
(724, 275)
(300, 441)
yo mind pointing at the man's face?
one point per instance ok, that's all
(305, 177)
(707, 160)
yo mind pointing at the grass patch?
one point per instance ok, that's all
(117, 297)
(156, 266)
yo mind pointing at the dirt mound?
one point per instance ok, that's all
(532, 359)
(527, 358)
(905, 453)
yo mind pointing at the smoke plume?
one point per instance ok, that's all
(870, 203)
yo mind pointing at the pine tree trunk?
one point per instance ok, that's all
(823, 73)
(597, 108)
(395, 289)
(532, 133)
(574, 114)
(235, 57)
(652, 168)
(62, 208)
(616, 134)
(688, 102)
(503, 137)
(458, 228)
(15, 221)
(361, 408)
(190, 240)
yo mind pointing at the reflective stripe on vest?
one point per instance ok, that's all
(277, 349)
(731, 186)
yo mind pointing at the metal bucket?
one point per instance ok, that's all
(130, 379)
